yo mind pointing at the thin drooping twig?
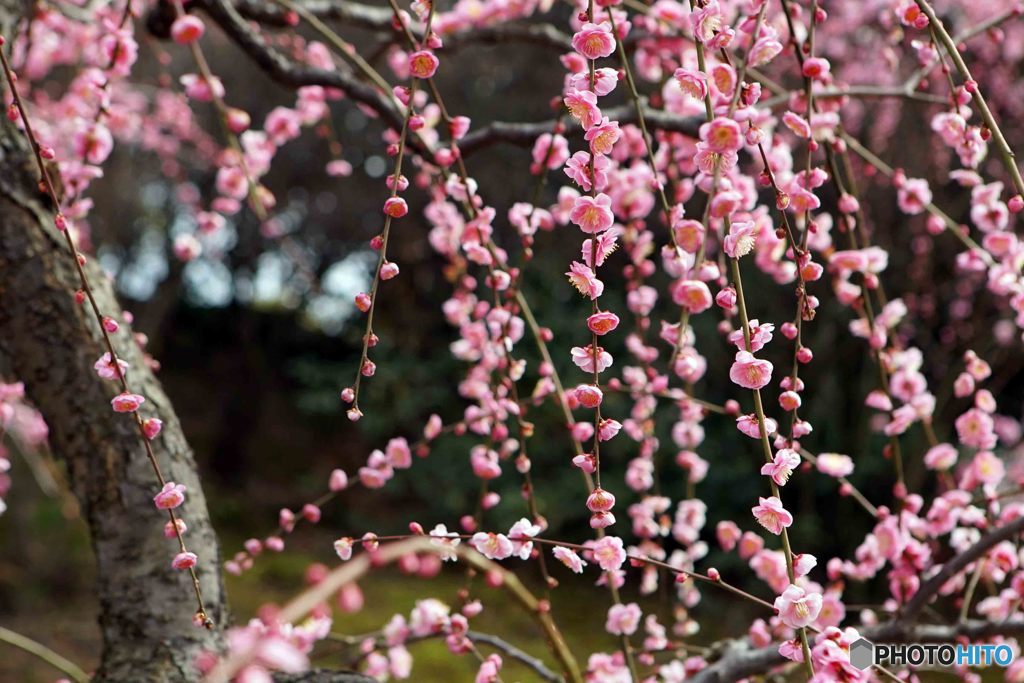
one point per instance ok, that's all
(1006, 154)
(44, 653)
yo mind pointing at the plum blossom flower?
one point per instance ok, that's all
(582, 106)
(106, 369)
(492, 546)
(592, 214)
(707, 21)
(693, 295)
(598, 248)
(603, 136)
(609, 553)
(602, 322)
(127, 402)
(750, 372)
(975, 428)
(689, 235)
(519, 534)
(589, 395)
(569, 558)
(152, 427)
(187, 29)
(771, 515)
(184, 560)
(605, 80)
(781, 467)
(722, 135)
(445, 541)
(343, 548)
(835, 464)
(550, 150)
(692, 82)
(741, 239)
(941, 456)
(171, 496)
(797, 608)
(623, 619)
(584, 280)
(749, 425)
(913, 196)
(584, 358)
(423, 64)
(594, 41)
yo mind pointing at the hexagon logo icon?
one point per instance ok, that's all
(862, 653)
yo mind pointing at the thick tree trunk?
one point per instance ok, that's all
(51, 343)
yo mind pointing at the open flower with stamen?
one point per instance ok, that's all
(797, 608)
(584, 280)
(781, 467)
(771, 515)
(750, 372)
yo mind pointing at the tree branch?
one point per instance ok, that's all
(930, 587)
(515, 653)
(524, 134)
(740, 661)
(293, 75)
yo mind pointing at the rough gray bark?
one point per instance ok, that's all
(51, 343)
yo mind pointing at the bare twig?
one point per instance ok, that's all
(44, 653)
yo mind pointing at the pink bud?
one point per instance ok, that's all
(311, 513)
(238, 120)
(789, 400)
(402, 184)
(1016, 203)
(348, 394)
(354, 414)
(600, 501)
(363, 301)
(396, 207)
(109, 324)
(170, 497)
(369, 368)
(187, 29)
(61, 222)
(726, 298)
(172, 529)
(350, 598)
(184, 560)
(388, 271)
(804, 355)
(151, 427)
(338, 480)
